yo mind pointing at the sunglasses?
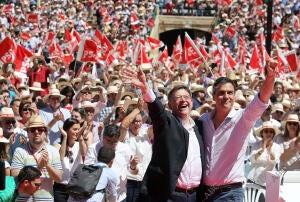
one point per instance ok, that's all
(40, 129)
(2, 83)
(90, 110)
(10, 122)
(27, 110)
(86, 92)
(37, 184)
(292, 123)
(268, 131)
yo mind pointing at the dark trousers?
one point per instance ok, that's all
(135, 192)
(176, 197)
(59, 191)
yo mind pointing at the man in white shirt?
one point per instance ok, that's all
(226, 134)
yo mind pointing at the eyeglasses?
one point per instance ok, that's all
(89, 110)
(182, 97)
(27, 110)
(268, 131)
(40, 129)
(86, 92)
(293, 123)
(136, 121)
(10, 122)
(76, 83)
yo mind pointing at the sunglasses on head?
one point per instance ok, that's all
(40, 129)
(10, 122)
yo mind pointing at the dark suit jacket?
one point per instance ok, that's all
(170, 149)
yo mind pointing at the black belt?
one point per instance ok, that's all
(186, 191)
(213, 190)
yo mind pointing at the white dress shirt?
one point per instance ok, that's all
(225, 147)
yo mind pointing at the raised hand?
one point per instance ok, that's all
(137, 79)
(63, 132)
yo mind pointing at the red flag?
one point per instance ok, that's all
(134, 19)
(255, 62)
(106, 45)
(62, 16)
(203, 52)
(55, 51)
(8, 8)
(119, 50)
(177, 49)
(216, 40)
(98, 37)
(33, 18)
(76, 34)
(8, 50)
(48, 38)
(163, 56)
(230, 32)
(150, 23)
(87, 51)
(107, 19)
(140, 56)
(296, 23)
(190, 50)
(258, 2)
(67, 59)
(22, 60)
(291, 58)
(25, 36)
(231, 62)
(241, 42)
(154, 43)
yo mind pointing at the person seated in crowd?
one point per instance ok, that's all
(290, 142)
(29, 183)
(38, 153)
(4, 154)
(265, 153)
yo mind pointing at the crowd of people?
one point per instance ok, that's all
(162, 132)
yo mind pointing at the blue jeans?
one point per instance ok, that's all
(234, 195)
(182, 197)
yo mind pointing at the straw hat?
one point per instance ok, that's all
(54, 92)
(35, 121)
(87, 104)
(36, 86)
(266, 125)
(204, 108)
(112, 89)
(7, 112)
(277, 107)
(196, 88)
(291, 118)
(127, 93)
(2, 138)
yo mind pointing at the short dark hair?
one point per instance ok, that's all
(176, 88)
(29, 173)
(112, 131)
(221, 81)
(106, 154)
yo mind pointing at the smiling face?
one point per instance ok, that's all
(73, 132)
(224, 96)
(180, 102)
